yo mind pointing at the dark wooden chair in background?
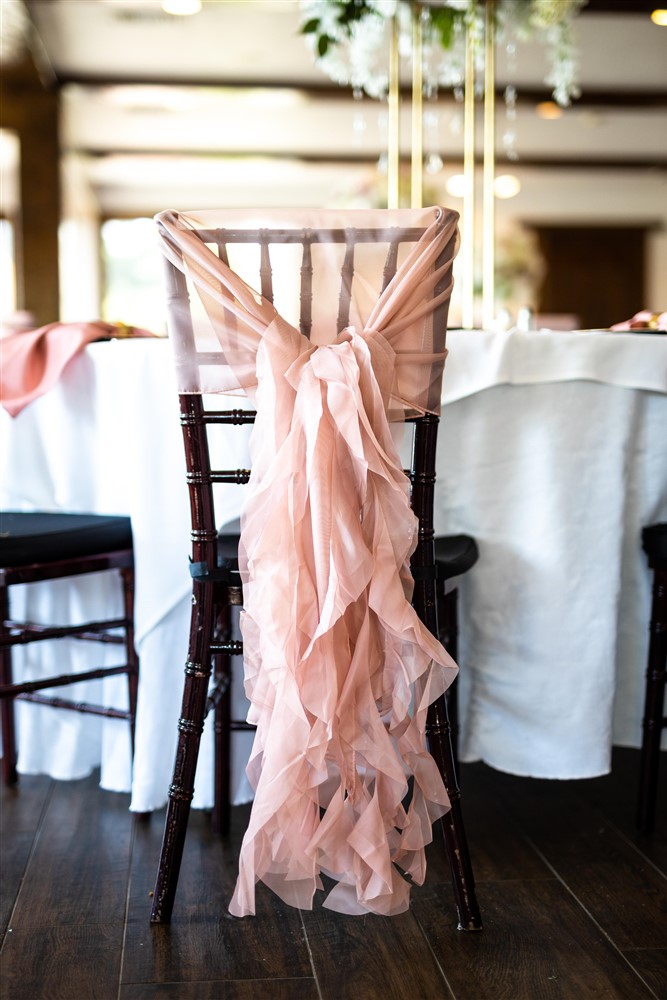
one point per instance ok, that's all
(654, 543)
(41, 547)
(214, 567)
(454, 556)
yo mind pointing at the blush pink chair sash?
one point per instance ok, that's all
(339, 669)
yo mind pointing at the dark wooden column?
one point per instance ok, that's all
(31, 110)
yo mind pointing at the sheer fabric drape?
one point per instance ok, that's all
(339, 669)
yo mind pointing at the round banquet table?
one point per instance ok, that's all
(551, 453)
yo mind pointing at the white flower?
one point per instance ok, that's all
(387, 8)
(357, 53)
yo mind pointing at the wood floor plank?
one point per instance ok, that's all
(79, 869)
(496, 847)
(537, 944)
(202, 934)
(67, 925)
(62, 962)
(370, 957)
(560, 882)
(651, 964)
(247, 989)
(615, 794)
(613, 880)
(21, 808)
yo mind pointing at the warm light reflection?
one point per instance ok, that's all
(659, 16)
(457, 185)
(181, 7)
(549, 110)
(506, 186)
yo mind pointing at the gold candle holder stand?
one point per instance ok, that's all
(469, 221)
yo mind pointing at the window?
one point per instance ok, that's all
(7, 268)
(133, 274)
(9, 206)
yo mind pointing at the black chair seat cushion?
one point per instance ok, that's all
(654, 541)
(28, 538)
(228, 550)
(454, 554)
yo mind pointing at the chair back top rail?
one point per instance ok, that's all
(347, 234)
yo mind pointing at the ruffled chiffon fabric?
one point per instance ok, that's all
(339, 669)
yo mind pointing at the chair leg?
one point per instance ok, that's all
(222, 668)
(653, 722)
(131, 658)
(9, 772)
(221, 817)
(439, 740)
(180, 797)
(448, 627)
(190, 728)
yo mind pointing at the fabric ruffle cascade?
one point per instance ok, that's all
(339, 669)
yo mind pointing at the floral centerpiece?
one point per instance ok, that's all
(349, 38)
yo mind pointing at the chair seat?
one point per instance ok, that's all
(454, 555)
(27, 538)
(654, 542)
(228, 550)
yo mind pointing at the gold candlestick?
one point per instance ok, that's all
(393, 120)
(417, 151)
(468, 220)
(488, 194)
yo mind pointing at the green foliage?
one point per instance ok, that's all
(550, 20)
(347, 12)
(444, 20)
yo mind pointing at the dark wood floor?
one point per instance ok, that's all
(574, 905)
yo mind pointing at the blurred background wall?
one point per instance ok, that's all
(111, 111)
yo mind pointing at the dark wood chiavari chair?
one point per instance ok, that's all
(216, 585)
(37, 547)
(654, 542)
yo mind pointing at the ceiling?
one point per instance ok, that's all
(231, 99)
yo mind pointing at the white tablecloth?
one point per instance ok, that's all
(107, 439)
(551, 453)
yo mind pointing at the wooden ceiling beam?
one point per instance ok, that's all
(591, 97)
(656, 163)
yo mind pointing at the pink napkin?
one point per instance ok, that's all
(31, 362)
(643, 320)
